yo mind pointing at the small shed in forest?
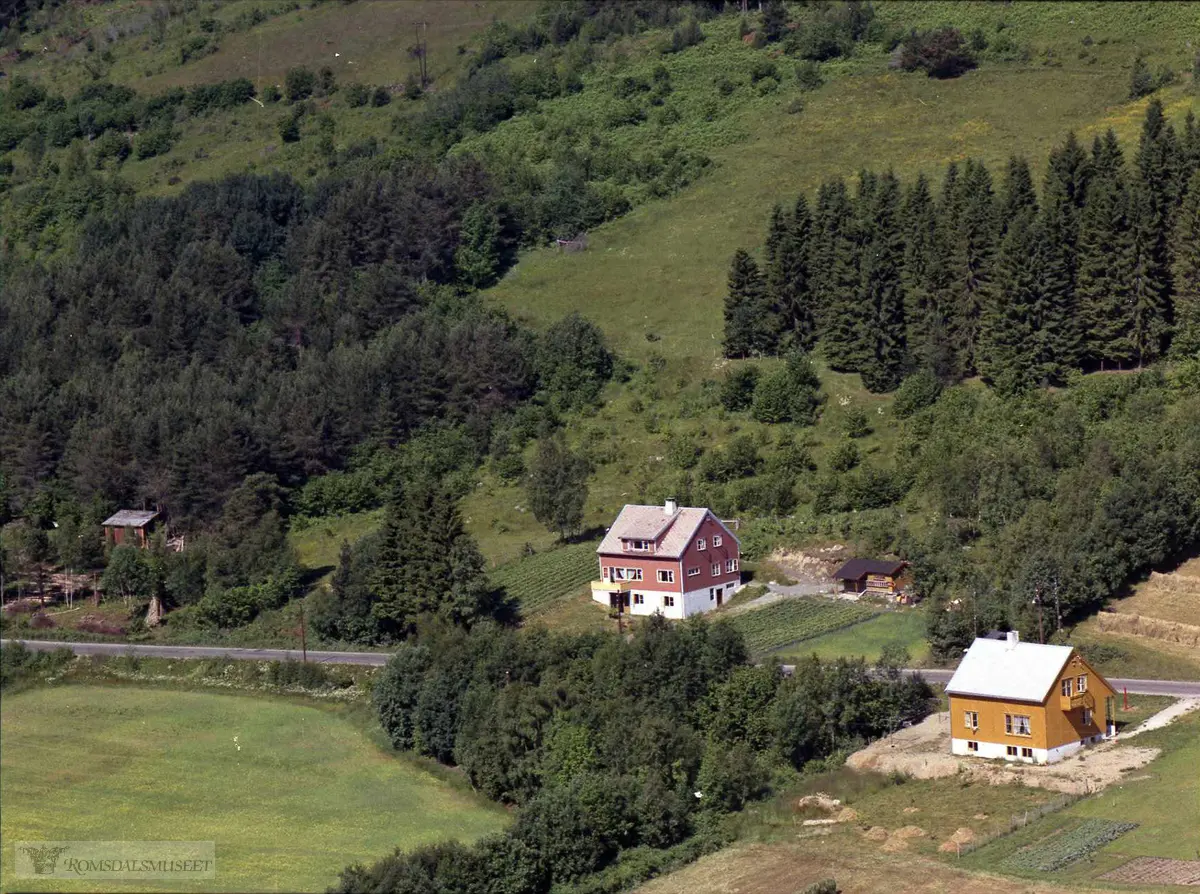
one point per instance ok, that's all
(140, 526)
(879, 577)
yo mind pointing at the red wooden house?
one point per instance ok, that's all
(678, 561)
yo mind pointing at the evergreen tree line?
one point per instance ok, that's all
(607, 744)
(1101, 270)
(250, 326)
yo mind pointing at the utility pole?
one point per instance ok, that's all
(1037, 597)
(303, 637)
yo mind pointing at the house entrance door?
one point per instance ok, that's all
(720, 596)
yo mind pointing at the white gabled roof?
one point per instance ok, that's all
(996, 668)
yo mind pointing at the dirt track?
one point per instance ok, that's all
(923, 751)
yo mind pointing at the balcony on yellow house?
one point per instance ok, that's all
(1076, 700)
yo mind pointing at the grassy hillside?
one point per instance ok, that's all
(660, 272)
(324, 794)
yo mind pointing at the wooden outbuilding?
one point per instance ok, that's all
(877, 577)
(131, 527)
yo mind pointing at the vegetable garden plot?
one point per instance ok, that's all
(539, 580)
(793, 620)
(1156, 871)
(1059, 851)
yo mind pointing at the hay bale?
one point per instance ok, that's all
(910, 832)
(912, 809)
(876, 833)
(847, 815)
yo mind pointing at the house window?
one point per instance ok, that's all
(716, 539)
(1081, 683)
(669, 601)
(1011, 750)
(694, 572)
(637, 546)
(972, 719)
(972, 746)
(716, 569)
(1087, 716)
(1066, 686)
(639, 598)
(666, 577)
(1026, 752)
(626, 573)
(1017, 724)
(731, 565)
(700, 544)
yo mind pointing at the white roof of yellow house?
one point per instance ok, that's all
(1008, 669)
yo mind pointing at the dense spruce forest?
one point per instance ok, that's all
(1101, 270)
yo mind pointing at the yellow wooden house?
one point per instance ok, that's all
(1027, 702)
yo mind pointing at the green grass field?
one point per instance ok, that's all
(308, 793)
(867, 639)
(780, 623)
(1163, 799)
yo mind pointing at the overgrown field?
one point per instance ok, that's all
(102, 762)
(540, 580)
(792, 620)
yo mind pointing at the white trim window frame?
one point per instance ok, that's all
(717, 540)
(716, 569)
(694, 572)
(971, 718)
(1017, 725)
(731, 565)
(1081, 683)
(666, 575)
(1066, 686)
(701, 545)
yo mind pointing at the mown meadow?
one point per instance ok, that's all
(288, 791)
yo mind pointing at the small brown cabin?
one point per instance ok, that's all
(878, 577)
(132, 525)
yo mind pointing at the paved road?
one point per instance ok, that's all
(1176, 688)
(376, 659)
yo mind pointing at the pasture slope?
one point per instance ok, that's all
(307, 793)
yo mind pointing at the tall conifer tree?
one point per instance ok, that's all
(748, 321)
(1018, 194)
(924, 280)
(1007, 347)
(972, 258)
(1186, 342)
(1148, 308)
(788, 277)
(1105, 261)
(882, 293)
(836, 250)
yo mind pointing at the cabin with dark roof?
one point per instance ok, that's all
(877, 577)
(130, 527)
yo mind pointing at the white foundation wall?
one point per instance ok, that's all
(1000, 752)
(687, 604)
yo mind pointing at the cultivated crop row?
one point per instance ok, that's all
(792, 620)
(1052, 854)
(539, 580)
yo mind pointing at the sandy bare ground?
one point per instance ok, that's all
(923, 751)
(786, 868)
